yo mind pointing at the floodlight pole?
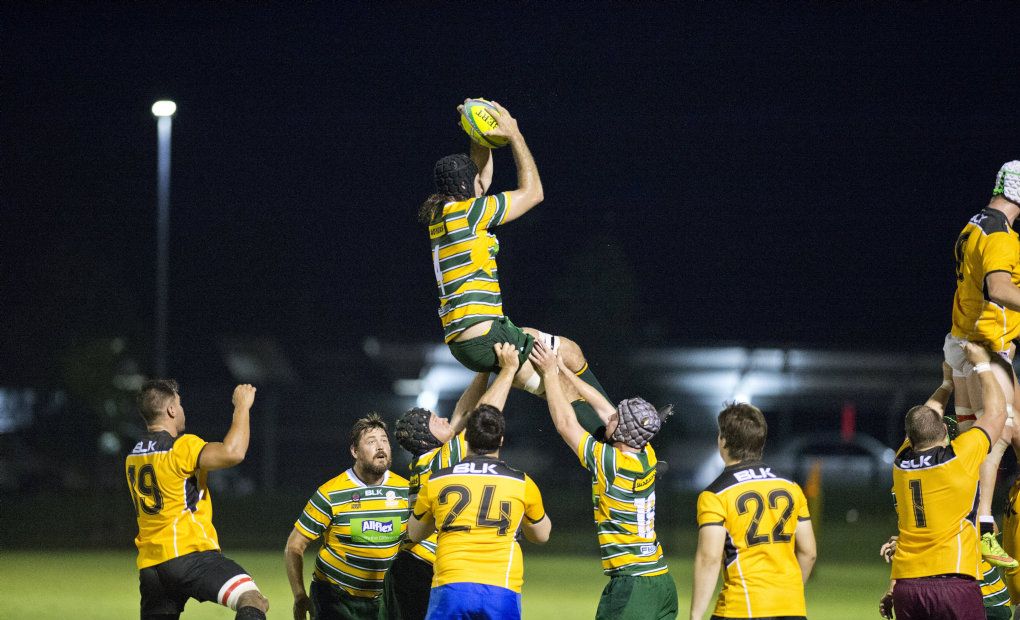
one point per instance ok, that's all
(163, 110)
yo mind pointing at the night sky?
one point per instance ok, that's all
(757, 173)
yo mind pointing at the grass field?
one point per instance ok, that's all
(104, 585)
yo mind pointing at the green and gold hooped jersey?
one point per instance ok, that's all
(422, 468)
(993, 590)
(171, 498)
(361, 527)
(464, 261)
(759, 511)
(623, 493)
(986, 244)
(936, 494)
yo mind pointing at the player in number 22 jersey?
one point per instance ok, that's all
(756, 524)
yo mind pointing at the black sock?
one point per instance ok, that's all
(987, 527)
(586, 375)
(588, 419)
(250, 613)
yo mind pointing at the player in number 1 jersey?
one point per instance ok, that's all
(754, 523)
(935, 568)
(178, 551)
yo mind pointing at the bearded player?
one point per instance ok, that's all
(461, 218)
(986, 311)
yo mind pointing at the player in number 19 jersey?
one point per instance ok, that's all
(178, 550)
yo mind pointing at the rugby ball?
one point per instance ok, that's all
(479, 118)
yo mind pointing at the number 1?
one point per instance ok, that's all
(918, 501)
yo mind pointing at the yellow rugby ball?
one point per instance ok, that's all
(479, 118)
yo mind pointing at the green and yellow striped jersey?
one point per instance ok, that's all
(422, 468)
(992, 588)
(464, 261)
(361, 527)
(623, 492)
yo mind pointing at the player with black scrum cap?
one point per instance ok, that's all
(461, 218)
(435, 443)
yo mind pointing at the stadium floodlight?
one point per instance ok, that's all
(164, 107)
(163, 110)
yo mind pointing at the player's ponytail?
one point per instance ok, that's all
(428, 209)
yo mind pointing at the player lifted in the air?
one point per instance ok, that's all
(460, 218)
(986, 311)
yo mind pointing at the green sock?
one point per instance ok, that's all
(588, 377)
(588, 419)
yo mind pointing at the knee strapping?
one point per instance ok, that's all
(534, 385)
(232, 590)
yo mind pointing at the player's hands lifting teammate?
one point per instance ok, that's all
(545, 361)
(244, 396)
(507, 356)
(976, 354)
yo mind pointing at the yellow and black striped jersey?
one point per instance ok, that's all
(987, 244)
(464, 261)
(760, 511)
(361, 526)
(623, 494)
(936, 494)
(171, 498)
(447, 455)
(478, 506)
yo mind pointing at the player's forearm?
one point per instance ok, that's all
(559, 409)
(940, 397)
(468, 401)
(236, 440)
(294, 561)
(497, 393)
(704, 583)
(528, 180)
(807, 563)
(598, 402)
(482, 157)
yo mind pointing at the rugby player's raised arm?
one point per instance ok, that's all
(294, 558)
(482, 156)
(529, 185)
(937, 401)
(547, 364)
(1001, 289)
(468, 401)
(707, 563)
(230, 452)
(804, 548)
(994, 417)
